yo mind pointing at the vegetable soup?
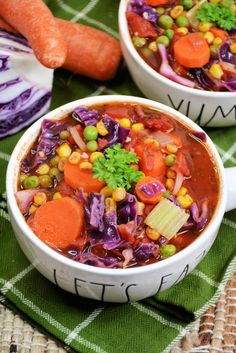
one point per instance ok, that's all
(117, 185)
(190, 42)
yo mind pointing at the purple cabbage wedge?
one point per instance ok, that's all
(199, 219)
(48, 142)
(127, 209)
(146, 250)
(116, 132)
(85, 116)
(25, 90)
(225, 54)
(94, 211)
(143, 9)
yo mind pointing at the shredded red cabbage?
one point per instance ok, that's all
(94, 211)
(85, 116)
(199, 219)
(116, 132)
(143, 9)
(146, 250)
(225, 54)
(127, 209)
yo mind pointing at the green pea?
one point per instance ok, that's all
(170, 159)
(64, 134)
(168, 250)
(160, 10)
(226, 3)
(90, 133)
(53, 172)
(166, 194)
(45, 181)
(169, 33)
(54, 161)
(139, 42)
(163, 40)
(31, 182)
(187, 4)
(165, 21)
(23, 177)
(92, 146)
(182, 21)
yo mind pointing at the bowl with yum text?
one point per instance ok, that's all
(178, 56)
(106, 197)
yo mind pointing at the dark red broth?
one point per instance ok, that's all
(144, 158)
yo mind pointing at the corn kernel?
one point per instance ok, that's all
(182, 191)
(209, 37)
(170, 174)
(233, 48)
(106, 191)
(137, 127)
(215, 1)
(32, 209)
(170, 184)
(54, 161)
(40, 198)
(176, 11)
(204, 26)
(43, 169)
(64, 150)
(64, 134)
(125, 122)
(57, 196)
(86, 165)
(94, 156)
(153, 46)
(118, 194)
(171, 148)
(74, 158)
(152, 234)
(140, 208)
(101, 128)
(185, 200)
(152, 141)
(61, 164)
(182, 30)
(110, 204)
(217, 41)
(233, 7)
(216, 71)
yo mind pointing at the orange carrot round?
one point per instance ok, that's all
(192, 50)
(34, 20)
(142, 196)
(58, 223)
(220, 33)
(76, 178)
(91, 52)
(157, 2)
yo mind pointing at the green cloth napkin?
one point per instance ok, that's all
(87, 326)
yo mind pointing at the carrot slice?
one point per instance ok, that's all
(157, 2)
(34, 20)
(91, 52)
(81, 178)
(145, 197)
(220, 33)
(192, 50)
(151, 161)
(58, 223)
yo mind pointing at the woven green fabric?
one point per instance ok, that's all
(87, 326)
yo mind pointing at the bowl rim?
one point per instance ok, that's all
(125, 37)
(58, 113)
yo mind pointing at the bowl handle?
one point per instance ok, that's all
(230, 174)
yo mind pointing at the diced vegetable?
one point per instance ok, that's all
(166, 218)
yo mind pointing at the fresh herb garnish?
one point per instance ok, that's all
(115, 168)
(212, 12)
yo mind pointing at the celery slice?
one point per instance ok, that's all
(166, 218)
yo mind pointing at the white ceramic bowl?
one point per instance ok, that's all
(206, 108)
(114, 285)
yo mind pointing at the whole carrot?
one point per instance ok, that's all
(34, 20)
(90, 52)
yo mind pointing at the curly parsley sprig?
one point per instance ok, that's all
(212, 12)
(115, 168)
